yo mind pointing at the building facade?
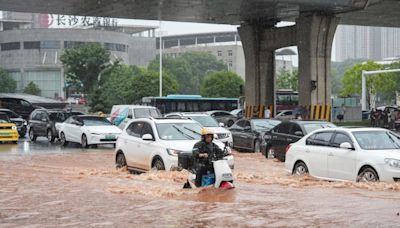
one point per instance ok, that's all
(225, 46)
(33, 55)
(363, 42)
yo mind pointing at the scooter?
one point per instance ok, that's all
(222, 177)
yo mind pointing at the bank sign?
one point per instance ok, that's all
(54, 20)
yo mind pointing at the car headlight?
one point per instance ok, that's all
(14, 127)
(173, 152)
(393, 162)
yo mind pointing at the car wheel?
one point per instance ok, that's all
(84, 142)
(50, 136)
(257, 146)
(120, 161)
(300, 169)
(32, 135)
(270, 153)
(230, 123)
(63, 140)
(368, 174)
(158, 164)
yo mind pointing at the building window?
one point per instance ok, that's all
(115, 47)
(50, 44)
(73, 44)
(219, 53)
(10, 46)
(32, 45)
(230, 53)
(230, 64)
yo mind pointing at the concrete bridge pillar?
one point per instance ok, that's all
(315, 34)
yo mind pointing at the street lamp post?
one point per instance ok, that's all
(161, 47)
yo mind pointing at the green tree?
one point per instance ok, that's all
(147, 84)
(337, 72)
(287, 80)
(84, 64)
(32, 88)
(375, 83)
(189, 69)
(222, 84)
(8, 84)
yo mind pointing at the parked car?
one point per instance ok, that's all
(285, 115)
(88, 130)
(122, 114)
(20, 106)
(220, 133)
(149, 143)
(249, 134)
(8, 130)
(238, 113)
(42, 123)
(223, 117)
(354, 154)
(279, 137)
(17, 120)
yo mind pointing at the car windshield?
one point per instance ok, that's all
(58, 116)
(146, 112)
(4, 118)
(310, 127)
(95, 121)
(205, 121)
(179, 131)
(12, 114)
(377, 140)
(265, 124)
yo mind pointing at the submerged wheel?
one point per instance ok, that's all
(32, 135)
(84, 142)
(368, 174)
(300, 169)
(158, 164)
(62, 139)
(120, 161)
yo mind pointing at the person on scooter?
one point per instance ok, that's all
(204, 152)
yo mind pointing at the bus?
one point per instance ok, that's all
(286, 99)
(190, 103)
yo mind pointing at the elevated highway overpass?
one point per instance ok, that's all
(316, 22)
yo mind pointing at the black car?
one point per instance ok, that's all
(20, 106)
(42, 123)
(17, 119)
(279, 137)
(248, 134)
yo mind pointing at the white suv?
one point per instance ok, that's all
(149, 143)
(220, 133)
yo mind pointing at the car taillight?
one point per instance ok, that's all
(288, 147)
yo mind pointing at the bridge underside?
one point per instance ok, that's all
(316, 22)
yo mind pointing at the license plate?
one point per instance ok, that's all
(110, 136)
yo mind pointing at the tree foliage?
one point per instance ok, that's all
(221, 84)
(189, 69)
(8, 84)
(337, 72)
(32, 88)
(287, 79)
(84, 64)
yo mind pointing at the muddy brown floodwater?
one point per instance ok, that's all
(83, 189)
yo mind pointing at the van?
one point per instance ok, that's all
(122, 114)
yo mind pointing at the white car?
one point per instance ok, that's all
(149, 143)
(87, 130)
(220, 133)
(354, 154)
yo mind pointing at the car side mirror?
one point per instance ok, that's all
(147, 137)
(346, 145)
(298, 133)
(78, 123)
(44, 120)
(221, 124)
(247, 128)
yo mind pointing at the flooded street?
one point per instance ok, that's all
(42, 185)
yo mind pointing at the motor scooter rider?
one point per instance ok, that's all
(204, 152)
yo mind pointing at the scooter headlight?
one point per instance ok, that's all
(173, 152)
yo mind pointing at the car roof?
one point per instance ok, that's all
(165, 120)
(351, 129)
(188, 114)
(135, 106)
